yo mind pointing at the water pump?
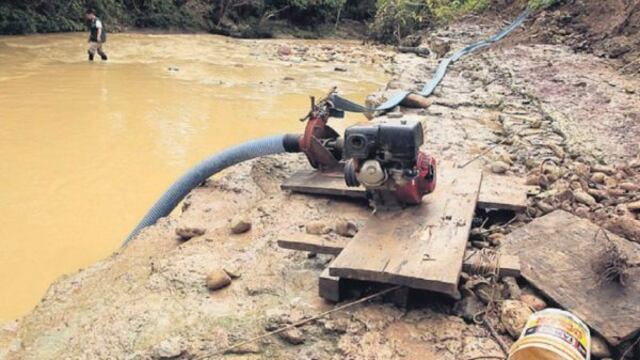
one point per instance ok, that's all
(383, 157)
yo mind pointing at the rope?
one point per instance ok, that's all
(302, 322)
(348, 105)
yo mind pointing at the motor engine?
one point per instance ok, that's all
(385, 158)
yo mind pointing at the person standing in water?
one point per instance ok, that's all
(97, 37)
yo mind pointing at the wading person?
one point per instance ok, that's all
(97, 37)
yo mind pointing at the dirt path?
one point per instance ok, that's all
(150, 301)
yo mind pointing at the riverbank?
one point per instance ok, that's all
(548, 121)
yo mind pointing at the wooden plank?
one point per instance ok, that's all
(421, 247)
(562, 257)
(316, 182)
(329, 287)
(503, 192)
(321, 244)
(508, 265)
(496, 192)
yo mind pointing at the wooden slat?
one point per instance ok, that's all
(421, 247)
(496, 192)
(562, 257)
(508, 265)
(316, 182)
(329, 287)
(320, 244)
(503, 192)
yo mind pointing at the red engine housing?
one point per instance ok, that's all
(421, 185)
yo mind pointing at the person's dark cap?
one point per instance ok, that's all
(90, 11)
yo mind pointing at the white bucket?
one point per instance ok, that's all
(553, 334)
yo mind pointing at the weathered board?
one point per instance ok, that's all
(508, 265)
(496, 192)
(562, 257)
(503, 192)
(330, 287)
(421, 247)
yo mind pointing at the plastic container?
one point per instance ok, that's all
(553, 334)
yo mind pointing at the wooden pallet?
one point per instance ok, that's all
(496, 191)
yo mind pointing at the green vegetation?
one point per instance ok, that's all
(389, 20)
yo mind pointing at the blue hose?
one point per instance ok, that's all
(260, 147)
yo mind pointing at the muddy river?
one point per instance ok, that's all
(86, 148)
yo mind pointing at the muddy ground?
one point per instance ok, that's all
(566, 121)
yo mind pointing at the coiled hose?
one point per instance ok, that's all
(198, 174)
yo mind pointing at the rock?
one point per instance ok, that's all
(534, 180)
(288, 78)
(481, 244)
(584, 198)
(285, 50)
(514, 316)
(346, 228)
(598, 177)
(609, 170)
(634, 206)
(599, 347)
(496, 239)
(624, 226)
(340, 69)
(545, 207)
(317, 228)
(233, 271)
(240, 225)
(188, 232)
(631, 187)
(468, 307)
(486, 293)
(168, 349)
(512, 287)
(533, 302)
(537, 124)
(416, 101)
(293, 336)
(499, 167)
(395, 115)
(218, 279)
(249, 348)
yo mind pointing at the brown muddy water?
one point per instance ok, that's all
(86, 148)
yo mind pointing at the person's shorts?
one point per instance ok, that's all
(93, 46)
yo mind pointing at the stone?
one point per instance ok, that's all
(292, 336)
(598, 177)
(599, 347)
(168, 349)
(513, 316)
(624, 226)
(395, 115)
(285, 50)
(609, 170)
(340, 69)
(416, 101)
(233, 271)
(633, 206)
(346, 228)
(288, 78)
(534, 180)
(187, 232)
(239, 225)
(218, 279)
(629, 186)
(584, 198)
(468, 307)
(496, 239)
(533, 302)
(249, 348)
(512, 287)
(499, 167)
(317, 228)
(537, 124)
